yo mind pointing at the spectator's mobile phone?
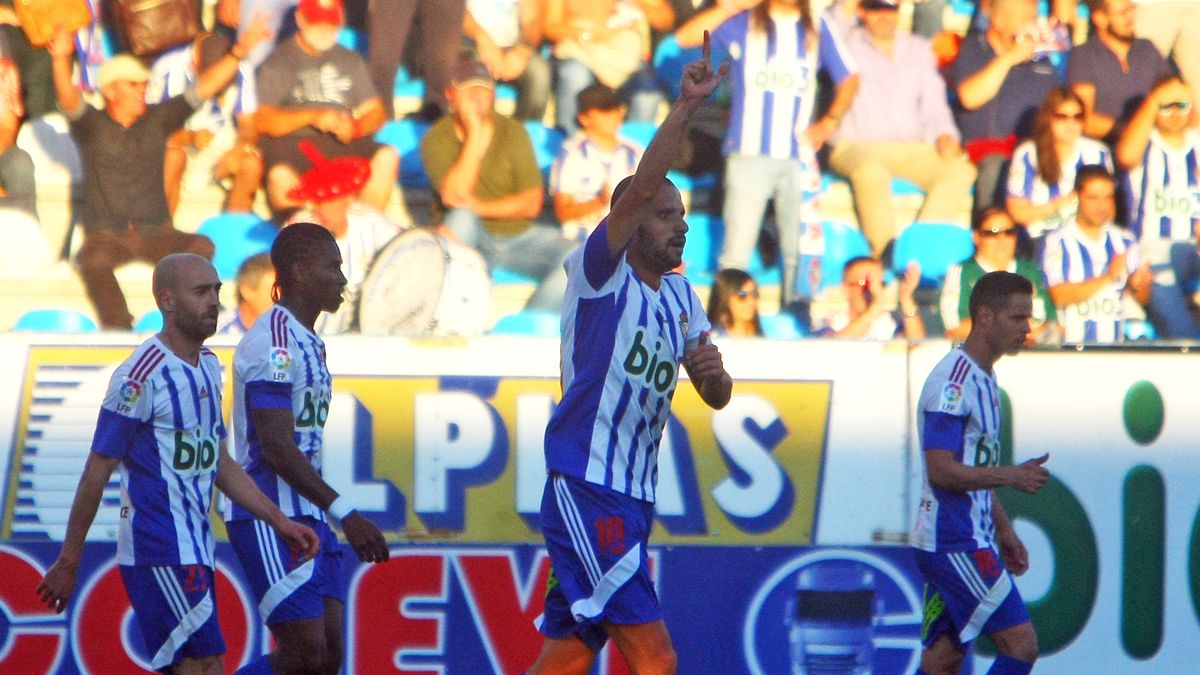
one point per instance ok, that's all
(1048, 35)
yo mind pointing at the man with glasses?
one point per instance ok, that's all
(995, 236)
(1159, 149)
(1114, 70)
(1091, 264)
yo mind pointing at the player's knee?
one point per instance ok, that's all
(944, 662)
(1019, 642)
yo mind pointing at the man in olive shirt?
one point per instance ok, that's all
(489, 188)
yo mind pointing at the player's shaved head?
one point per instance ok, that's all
(624, 185)
(173, 269)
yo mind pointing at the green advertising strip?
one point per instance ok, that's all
(1142, 583)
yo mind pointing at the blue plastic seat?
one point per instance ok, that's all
(530, 323)
(782, 326)
(546, 143)
(55, 321)
(639, 132)
(1139, 330)
(705, 235)
(843, 243)
(151, 322)
(935, 247)
(405, 136)
(408, 86)
(237, 236)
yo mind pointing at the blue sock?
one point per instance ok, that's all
(259, 666)
(1007, 665)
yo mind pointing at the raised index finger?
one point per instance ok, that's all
(707, 46)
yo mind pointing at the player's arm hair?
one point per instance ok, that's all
(275, 430)
(237, 485)
(715, 391)
(947, 473)
(96, 471)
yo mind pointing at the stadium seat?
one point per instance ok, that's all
(151, 322)
(408, 86)
(546, 143)
(405, 136)
(639, 132)
(352, 39)
(669, 60)
(55, 321)
(843, 243)
(1139, 330)
(237, 236)
(935, 246)
(528, 322)
(705, 235)
(503, 275)
(782, 326)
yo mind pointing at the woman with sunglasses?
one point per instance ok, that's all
(1042, 173)
(733, 305)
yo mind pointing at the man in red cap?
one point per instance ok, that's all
(330, 192)
(311, 88)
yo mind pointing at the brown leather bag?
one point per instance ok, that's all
(153, 26)
(40, 18)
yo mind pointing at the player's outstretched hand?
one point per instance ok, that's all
(1016, 558)
(1030, 476)
(365, 538)
(58, 584)
(699, 80)
(303, 542)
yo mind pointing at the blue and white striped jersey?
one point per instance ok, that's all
(279, 364)
(622, 343)
(1072, 257)
(583, 169)
(1164, 190)
(959, 411)
(1025, 182)
(161, 417)
(773, 74)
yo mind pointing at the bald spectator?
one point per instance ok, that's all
(999, 85)
(1114, 70)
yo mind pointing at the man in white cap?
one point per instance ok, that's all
(125, 215)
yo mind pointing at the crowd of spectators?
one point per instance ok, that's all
(1075, 165)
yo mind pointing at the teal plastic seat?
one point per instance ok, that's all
(55, 321)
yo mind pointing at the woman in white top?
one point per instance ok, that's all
(1042, 174)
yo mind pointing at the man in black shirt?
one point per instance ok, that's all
(125, 215)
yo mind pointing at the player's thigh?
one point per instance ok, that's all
(563, 656)
(646, 646)
(1019, 641)
(334, 644)
(209, 665)
(942, 657)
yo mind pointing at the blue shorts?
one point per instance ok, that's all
(967, 593)
(285, 590)
(596, 538)
(176, 608)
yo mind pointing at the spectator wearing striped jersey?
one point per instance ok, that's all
(1091, 264)
(330, 194)
(591, 163)
(776, 48)
(1114, 70)
(898, 125)
(1041, 177)
(629, 324)
(998, 84)
(220, 135)
(161, 423)
(995, 236)
(1161, 151)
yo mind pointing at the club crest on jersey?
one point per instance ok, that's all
(281, 360)
(951, 397)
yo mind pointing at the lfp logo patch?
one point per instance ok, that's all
(281, 359)
(951, 397)
(130, 392)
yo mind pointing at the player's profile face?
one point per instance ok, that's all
(1010, 325)
(662, 235)
(323, 278)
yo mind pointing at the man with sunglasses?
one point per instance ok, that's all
(1159, 150)
(870, 311)
(1114, 70)
(995, 236)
